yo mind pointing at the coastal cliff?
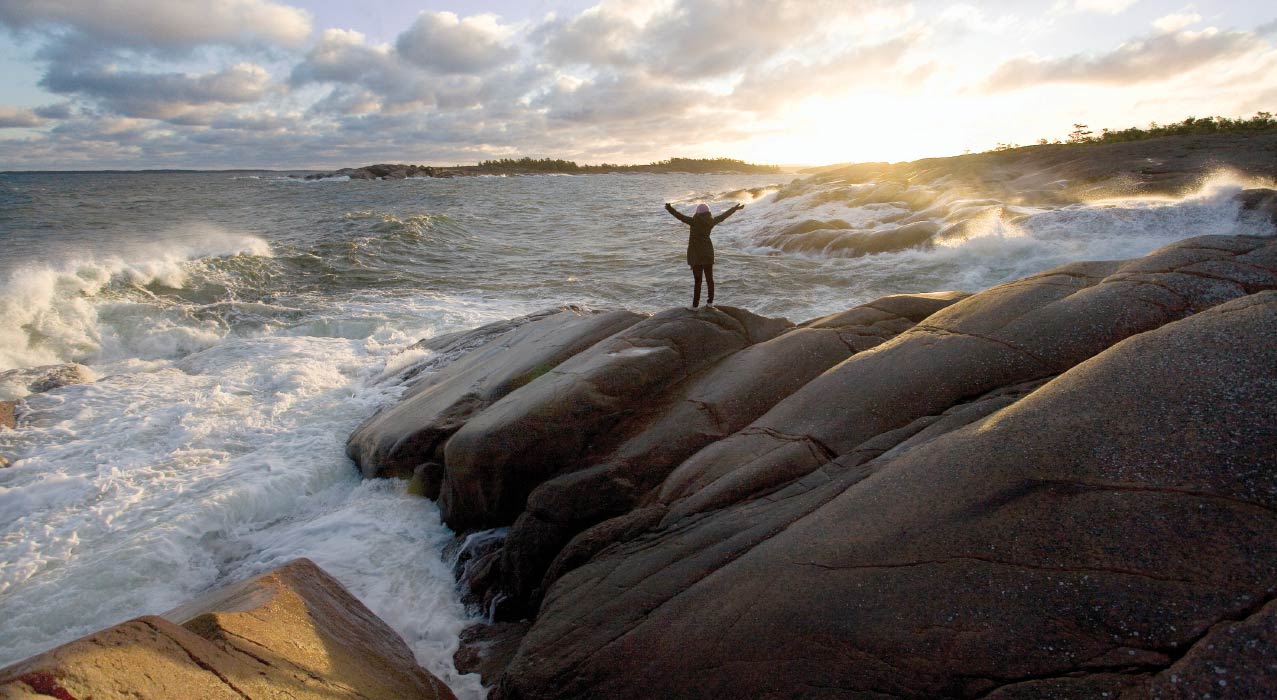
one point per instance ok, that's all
(1059, 487)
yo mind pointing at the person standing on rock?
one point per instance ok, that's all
(700, 250)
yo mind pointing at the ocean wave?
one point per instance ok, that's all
(149, 487)
(842, 219)
(51, 314)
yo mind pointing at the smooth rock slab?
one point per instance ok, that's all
(291, 633)
(1118, 512)
(412, 432)
(705, 408)
(547, 426)
(1015, 332)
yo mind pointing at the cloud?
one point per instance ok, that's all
(1156, 57)
(600, 36)
(170, 24)
(160, 95)
(1176, 21)
(342, 56)
(18, 118)
(1106, 7)
(627, 97)
(974, 19)
(86, 43)
(794, 81)
(61, 110)
(366, 77)
(441, 42)
(705, 39)
(165, 25)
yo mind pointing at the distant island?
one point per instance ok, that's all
(545, 166)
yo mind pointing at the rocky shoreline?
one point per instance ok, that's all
(1060, 487)
(1064, 486)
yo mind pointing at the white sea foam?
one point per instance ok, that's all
(138, 492)
(205, 456)
(996, 242)
(51, 314)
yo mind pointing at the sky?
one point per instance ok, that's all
(130, 84)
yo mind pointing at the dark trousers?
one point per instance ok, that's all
(708, 272)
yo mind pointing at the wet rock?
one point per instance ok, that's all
(672, 426)
(1233, 660)
(486, 649)
(8, 414)
(412, 432)
(1053, 488)
(293, 632)
(1105, 686)
(17, 383)
(836, 241)
(1260, 202)
(809, 225)
(547, 426)
(382, 171)
(1120, 511)
(1013, 333)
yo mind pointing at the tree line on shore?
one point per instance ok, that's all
(1190, 126)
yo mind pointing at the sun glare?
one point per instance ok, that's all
(878, 126)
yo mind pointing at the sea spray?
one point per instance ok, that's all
(50, 313)
(140, 491)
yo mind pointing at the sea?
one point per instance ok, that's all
(241, 325)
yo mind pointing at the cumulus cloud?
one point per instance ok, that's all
(442, 42)
(61, 110)
(342, 56)
(366, 77)
(1151, 58)
(85, 43)
(173, 24)
(160, 95)
(704, 39)
(18, 118)
(600, 36)
(626, 97)
(1176, 21)
(793, 81)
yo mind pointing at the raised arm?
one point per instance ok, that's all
(678, 214)
(719, 219)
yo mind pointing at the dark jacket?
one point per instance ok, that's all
(700, 250)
